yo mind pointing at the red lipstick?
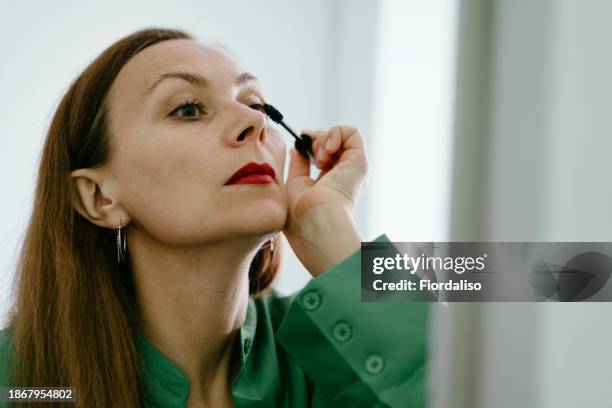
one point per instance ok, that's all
(253, 173)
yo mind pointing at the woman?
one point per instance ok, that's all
(143, 249)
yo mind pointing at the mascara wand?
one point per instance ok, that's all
(303, 144)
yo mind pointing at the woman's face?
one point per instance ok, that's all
(171, 163)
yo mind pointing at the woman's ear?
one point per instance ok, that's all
(95, 200)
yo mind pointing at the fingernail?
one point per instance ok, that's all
(328, 144)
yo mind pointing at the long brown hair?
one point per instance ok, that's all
(75, 311)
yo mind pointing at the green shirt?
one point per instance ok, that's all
(321, 347)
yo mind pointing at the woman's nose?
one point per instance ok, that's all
(253, 126)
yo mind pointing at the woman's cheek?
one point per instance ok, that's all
(277, 146)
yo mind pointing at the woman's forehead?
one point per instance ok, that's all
(146, 68)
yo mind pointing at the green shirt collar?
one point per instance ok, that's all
(167, 385)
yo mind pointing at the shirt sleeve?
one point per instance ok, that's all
(358, 354)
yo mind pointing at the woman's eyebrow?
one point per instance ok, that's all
(197, 79)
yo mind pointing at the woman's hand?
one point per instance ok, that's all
(319, 227)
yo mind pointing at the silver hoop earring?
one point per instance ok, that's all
(121, 244)
(271, 244)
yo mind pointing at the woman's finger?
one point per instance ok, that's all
(335, 141)
(318, 145)
(350, 137)
(332, 146)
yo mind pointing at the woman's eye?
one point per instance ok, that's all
(188, 110)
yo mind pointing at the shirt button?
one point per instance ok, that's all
(342, 331)
(247, 345)
(311, 300)
(374, 364)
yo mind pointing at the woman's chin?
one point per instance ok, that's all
(265, 220)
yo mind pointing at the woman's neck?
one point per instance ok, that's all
(192, 303)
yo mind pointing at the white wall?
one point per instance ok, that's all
(299, 50)
(413, 118)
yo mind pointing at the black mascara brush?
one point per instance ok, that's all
(303, 143)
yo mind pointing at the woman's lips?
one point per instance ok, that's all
(253, 173)
(255, 179)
